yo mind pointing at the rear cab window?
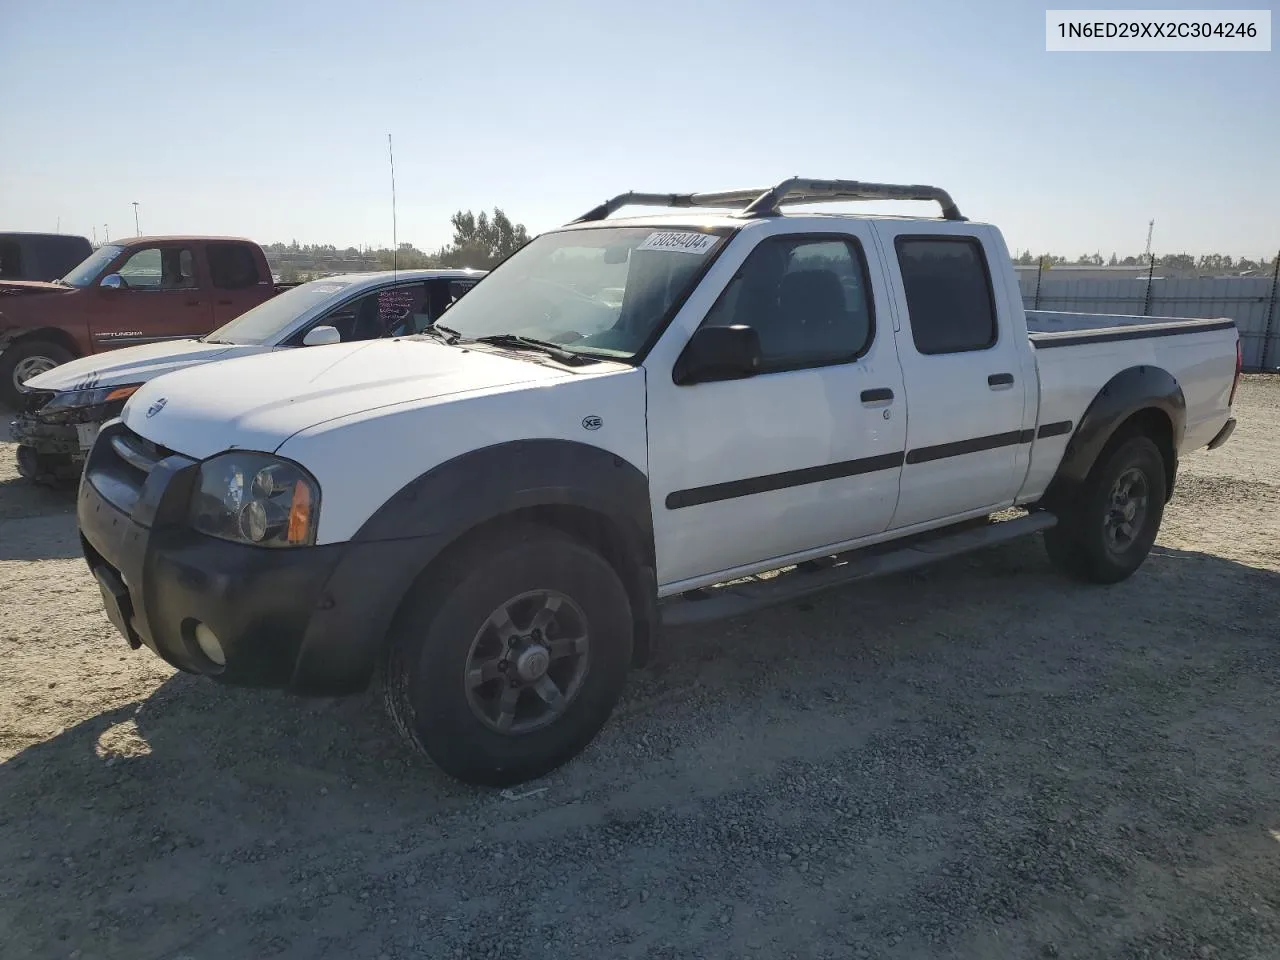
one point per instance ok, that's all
(11, 260)
(232, 266)
(950, 302)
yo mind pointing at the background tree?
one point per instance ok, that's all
(482, 241)
(1181, 262)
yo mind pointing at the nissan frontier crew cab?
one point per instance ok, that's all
(619, 428)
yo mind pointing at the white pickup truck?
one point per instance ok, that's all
(618, 428)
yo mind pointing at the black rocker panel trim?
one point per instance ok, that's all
(959, 448)
(1055, 429)
(732, 489)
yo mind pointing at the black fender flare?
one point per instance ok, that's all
(1129, 392)
(418, 523)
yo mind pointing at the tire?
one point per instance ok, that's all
(46, 468)
(1098, 544)
(446, 676)
(23, 360)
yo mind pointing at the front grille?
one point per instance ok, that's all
(120, 463)
(136, 451)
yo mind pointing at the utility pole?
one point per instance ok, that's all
(106, 233)
(135, 218)
(1147, 253)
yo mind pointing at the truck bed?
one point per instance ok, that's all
(1078, 353)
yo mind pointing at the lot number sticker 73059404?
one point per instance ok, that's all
(679, 241)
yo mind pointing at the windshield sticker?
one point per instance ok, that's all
(679, 241)
(395, 304)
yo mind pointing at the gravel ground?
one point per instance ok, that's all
(982, 760)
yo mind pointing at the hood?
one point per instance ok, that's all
(256, 403)
(15, 288)
(132, 364)
(25, 301)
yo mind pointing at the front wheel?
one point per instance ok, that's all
(24, 360)
(509, 664)
(1107, 533)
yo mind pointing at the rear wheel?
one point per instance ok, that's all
(24, 360)
(509, 664)
(1107, 533)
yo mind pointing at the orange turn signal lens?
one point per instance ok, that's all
(119, 393)
(299, 529)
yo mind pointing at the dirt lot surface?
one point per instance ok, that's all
(981, 761)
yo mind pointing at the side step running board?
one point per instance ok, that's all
(746, 596)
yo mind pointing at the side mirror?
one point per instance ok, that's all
(321, 336)
(112, 281)
(718, 353)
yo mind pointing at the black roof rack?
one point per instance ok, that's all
(766, 203)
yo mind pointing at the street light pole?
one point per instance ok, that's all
(135, 218)
(106, 233)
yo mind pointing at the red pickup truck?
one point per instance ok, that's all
(128, 292)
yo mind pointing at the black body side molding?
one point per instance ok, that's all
(419, 522)
(1129, 392)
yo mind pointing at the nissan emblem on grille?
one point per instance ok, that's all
(156, 407)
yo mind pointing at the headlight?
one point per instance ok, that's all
(103, 402)
(256, 498)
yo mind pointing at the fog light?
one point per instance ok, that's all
(209, 645)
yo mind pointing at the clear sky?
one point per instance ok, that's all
(269, 119)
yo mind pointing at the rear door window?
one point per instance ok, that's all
(950, 305)
(232, 266)
(11, 260)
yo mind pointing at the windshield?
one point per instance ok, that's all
(597, 291)
(268, 320)
(91, 266)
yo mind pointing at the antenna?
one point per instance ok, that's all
(136, 225)
(395, 237)
(1150, 227)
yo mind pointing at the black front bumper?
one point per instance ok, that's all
(48, 428)
(29, 430)
(47, 451)
(307, 619)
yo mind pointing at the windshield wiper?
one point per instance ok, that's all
(450, 335)
(553, 350)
